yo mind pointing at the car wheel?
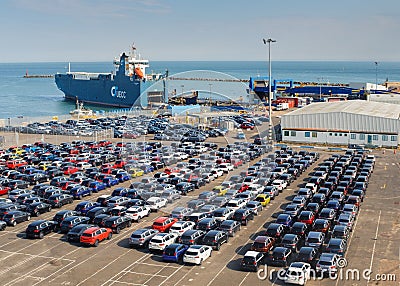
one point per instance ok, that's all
(218, 246)
(245, 222)
(41, 235)
(201, 261)
(14, 223)
(36, 214)
(96, 243)
(227, 238)
(129, 224)
(80, 197)
(49, 209)
(28, 217)
(117, 230)
(109, 236)
(90, 193)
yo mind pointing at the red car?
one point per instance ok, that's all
(119, 164)
(247, 125)
(4, 190)
(163, 224)
(306, 217)
(93, 235)
(13, 164)
(68, 170)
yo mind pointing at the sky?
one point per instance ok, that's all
(204, 30)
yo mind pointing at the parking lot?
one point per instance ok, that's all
(53, 261)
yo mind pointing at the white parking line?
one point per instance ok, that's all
(375, 240)
(34, 255)
(123, 271)
(241, 282)
(127, 283)
(157, 274)
(172, 274)
(146, 274)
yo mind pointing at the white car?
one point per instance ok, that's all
(181, 226)
(182, 155)
(280, 184)
(162, 240)
(226, 167)
(83, 165)
(298, 273)
(222, 214)
(156, 203)
(313, 187)
(236, 204)
(217, 173)
(255, 188)
(196, 254)
(136, 213)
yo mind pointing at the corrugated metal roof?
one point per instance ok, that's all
(359, 107)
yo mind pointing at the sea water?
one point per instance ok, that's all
(21, 97)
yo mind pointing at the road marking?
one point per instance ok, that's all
(375, 240)
(241, 282)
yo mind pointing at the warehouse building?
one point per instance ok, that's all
(342, 123)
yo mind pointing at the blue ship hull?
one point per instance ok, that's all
(107, 90)
(122, 89)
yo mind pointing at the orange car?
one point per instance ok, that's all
(163, 224)
(263, 243)
(93, 235)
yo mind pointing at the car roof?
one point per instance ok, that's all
(251, 253)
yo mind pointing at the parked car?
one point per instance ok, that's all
(14, 217)
(298, 273)
(74, 235)
(116, 223)
(196, 254)
(252, 260)
(142, 237)
(94, 235)
(215, 238)
(230, 227)
(39, 228)
(174, 252)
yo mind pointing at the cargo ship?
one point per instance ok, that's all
(124, 87)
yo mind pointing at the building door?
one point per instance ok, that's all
(369, 138)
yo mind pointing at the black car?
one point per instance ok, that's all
(68, 223)
(276, 230)
(299, 228)
(207, 224)
(74, 235)
(61, 215)
(59, 200)
(14, 217)
(184, 187)
(291, 241)
(37, 178)
(116, 223)
(243, 216)
(230, 226)
(39, 229)
(100, 219)
(35, 209)
(103, 200)
(94, 212)
(197, 182)
(6, 208)
(309, 255)
(281, 256)
(215, 238)
(192, 237)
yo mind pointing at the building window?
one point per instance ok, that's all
(393, 138)
(314, 134)
(362, 136)
(353, 136)
(340, 134)
(293, 133)
(345, 134)
(285, 133)
(330, 134)
(375, 137)
(307, 134)
(335, 134)
(385, 138)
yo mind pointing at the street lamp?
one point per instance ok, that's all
(269, 41)
(320, 83)
(376, 77)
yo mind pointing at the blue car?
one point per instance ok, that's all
(110, 181)
(123, 176)
(285, 219)
(79, 192)
(174, 252)
(96, 186)
(120, 192)
(147, 168)
(83, 207)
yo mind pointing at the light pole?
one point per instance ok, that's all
(269, 41)
(320, 83)
(376, 77)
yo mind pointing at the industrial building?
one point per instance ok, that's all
(342, 123)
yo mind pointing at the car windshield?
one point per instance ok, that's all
(325, 263)
(87, 234)
(248, 260)
(258, 244)
(170, 251)
(313, 240)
